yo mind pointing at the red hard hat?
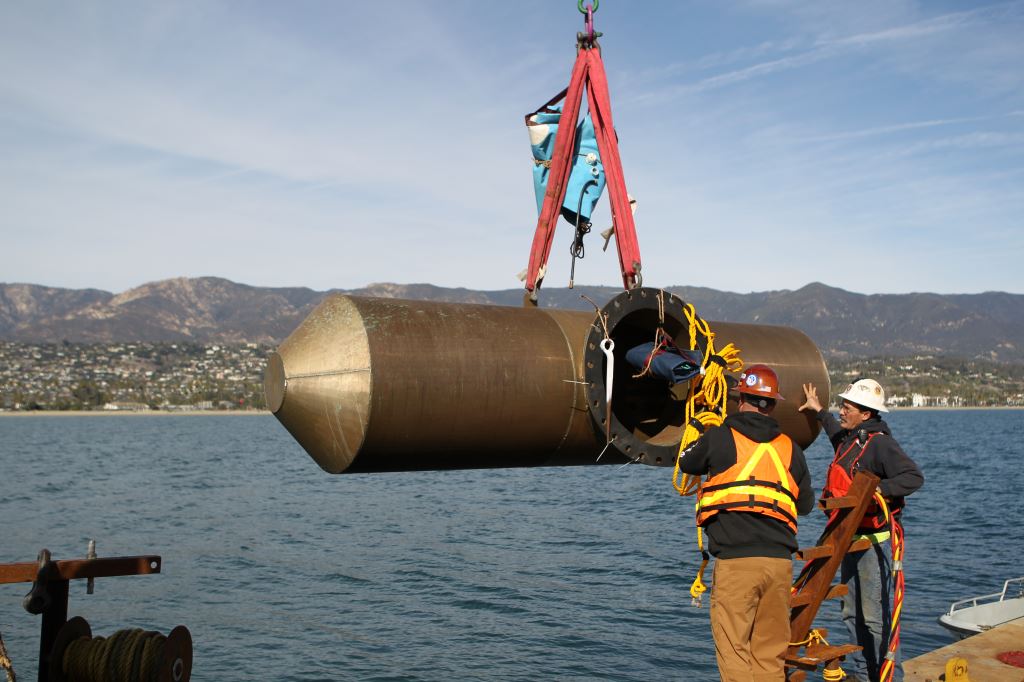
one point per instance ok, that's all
(760, 380)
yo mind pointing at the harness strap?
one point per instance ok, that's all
(875, 538)
(587, 73)
(864, 447)
(622, 217)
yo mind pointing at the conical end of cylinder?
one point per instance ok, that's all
(317, 384)
(274, 383)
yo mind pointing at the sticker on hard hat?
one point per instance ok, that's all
(751, 379)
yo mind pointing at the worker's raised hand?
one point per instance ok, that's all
(811, 401)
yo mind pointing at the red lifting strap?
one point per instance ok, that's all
(587, 71)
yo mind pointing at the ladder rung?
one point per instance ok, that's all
(820, 655)
(804, 598)
(825, 551)
(809, 553)
(830, 503)
(858, 545)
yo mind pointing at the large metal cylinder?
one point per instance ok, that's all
(370, 384)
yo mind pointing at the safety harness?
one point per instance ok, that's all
(837, 484)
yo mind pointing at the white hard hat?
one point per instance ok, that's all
(867, 393)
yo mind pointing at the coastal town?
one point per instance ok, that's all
(209, 377)
(131, 376)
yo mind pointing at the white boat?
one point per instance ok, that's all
(970, 616)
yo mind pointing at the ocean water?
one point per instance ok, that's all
(281, 571)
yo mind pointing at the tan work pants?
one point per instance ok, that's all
(750, 617)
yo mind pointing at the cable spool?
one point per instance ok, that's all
(125, 656)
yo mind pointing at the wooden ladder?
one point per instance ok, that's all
(823, 562)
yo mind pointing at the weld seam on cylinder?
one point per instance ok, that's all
(575, 388)
(332, 372)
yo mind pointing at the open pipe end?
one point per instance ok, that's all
(646, 415)
(647, 412)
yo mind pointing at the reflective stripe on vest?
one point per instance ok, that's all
(760, 482)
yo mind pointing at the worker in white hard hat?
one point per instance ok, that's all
(862, 440)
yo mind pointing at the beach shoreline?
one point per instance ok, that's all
(931, 408)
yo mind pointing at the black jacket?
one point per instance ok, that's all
(884, 457)
(733, 534)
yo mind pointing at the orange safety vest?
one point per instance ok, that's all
(759, 482)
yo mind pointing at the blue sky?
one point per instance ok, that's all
(876, 146)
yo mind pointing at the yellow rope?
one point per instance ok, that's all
(813, 637)
(709, 392)
(5, 661)
(698, 588)
(896, 535)
(829, 674)
(833, 674)
(705, 405)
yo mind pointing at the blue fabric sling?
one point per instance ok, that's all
(586, 180)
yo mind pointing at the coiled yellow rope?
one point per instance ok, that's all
(125, 656)
(706, 400)
(706, 406)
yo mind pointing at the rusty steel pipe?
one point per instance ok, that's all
(370, 384)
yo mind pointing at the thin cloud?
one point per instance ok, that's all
(919, 29)
(904, 127)
(969, 141)
(822, 49)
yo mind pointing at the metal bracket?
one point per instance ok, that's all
(38, 598)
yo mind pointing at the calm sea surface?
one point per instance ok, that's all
(284, 572)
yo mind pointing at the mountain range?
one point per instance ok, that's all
(210, 309)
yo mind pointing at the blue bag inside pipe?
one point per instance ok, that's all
(673, 365)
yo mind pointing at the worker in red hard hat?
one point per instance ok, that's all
(862, 440)
(751, 527)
